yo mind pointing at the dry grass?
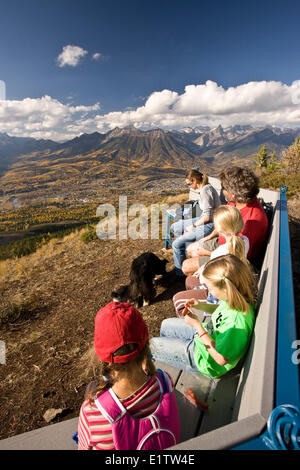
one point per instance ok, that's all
(26, 266)
(178, 199)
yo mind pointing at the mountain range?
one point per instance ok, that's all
(27, 164)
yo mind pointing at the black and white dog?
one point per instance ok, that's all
(141, 291)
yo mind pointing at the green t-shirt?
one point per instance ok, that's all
(231, 331)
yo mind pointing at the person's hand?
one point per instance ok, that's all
(188, 304)
(192, 302)
(202, 251)
(194, 245)
(192, 249)
(189, 228)
(191, 319)
(197, 273)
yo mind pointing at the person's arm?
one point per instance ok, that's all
(197, 251)
(207, 340)
(212, 234)
(201, 221)
(196, 248)
(84, 434)
(207, 206)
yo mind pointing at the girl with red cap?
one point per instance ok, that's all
(133, 406)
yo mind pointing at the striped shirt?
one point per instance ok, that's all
(95, 431)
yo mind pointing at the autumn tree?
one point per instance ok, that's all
(291, 157)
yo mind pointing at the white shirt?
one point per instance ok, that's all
(222, 250)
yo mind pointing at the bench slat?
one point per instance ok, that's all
(190, 416)
(220, 402)
(173, 372)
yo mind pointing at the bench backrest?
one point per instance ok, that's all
(256, 385)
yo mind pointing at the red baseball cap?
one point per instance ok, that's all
(118, 324)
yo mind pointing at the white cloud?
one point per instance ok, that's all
(249, 97)
(256, 103)
(71, 56)
(96, 56)
(44, 118)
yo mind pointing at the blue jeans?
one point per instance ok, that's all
(182, 240)
(175, 346)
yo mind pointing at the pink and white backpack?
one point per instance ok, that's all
(157, 431)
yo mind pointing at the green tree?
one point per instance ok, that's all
(261, 157)
(265, 160)
(272, 163)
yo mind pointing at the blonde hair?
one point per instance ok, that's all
(229, 221)
(231, 273)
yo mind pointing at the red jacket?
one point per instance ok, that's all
(255, 227)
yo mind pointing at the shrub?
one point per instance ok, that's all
(89, 235)
(19, 308)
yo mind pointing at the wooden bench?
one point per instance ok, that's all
(245, 405)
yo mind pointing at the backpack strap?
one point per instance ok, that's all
(164, 382)
(110, 406)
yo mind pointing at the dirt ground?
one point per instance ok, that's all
(46, 364)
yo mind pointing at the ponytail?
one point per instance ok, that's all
(235, 299)
(204, 180)
(236, 247)
(229, 221)
(231, 273)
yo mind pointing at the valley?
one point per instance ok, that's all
(49, 188)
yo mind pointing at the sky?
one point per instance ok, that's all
(73, 67)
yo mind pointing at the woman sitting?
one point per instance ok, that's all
(187, 231)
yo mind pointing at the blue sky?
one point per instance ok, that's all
(158, 64)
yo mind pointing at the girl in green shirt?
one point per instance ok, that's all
(215, 347)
